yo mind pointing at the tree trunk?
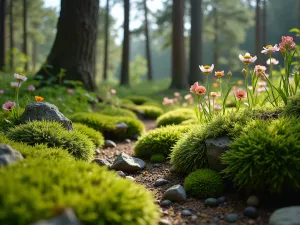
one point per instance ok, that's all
(11, 34)
(25, 34)
(106, 41)
(216, 39)
(179, 78)
(257, 32)
(125, 54)
(196, 41)
(148, 51)
(74, 48)
(264, 23)
(34, 55)
(2, 34)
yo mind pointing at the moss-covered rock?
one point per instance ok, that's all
(107, 125)
(159, 141)
(292, 108)
(34, 189)
(158, 158)
(149, 111)
(96, 137)
(204, 183)
(53, 134)
(115, 111)
(176, 116)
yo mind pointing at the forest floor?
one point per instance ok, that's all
(172, 214)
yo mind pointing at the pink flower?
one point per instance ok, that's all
(1, 92)
(167, 101)
(207, 69)
(31, 88)
(176, 94)
(15, 84)
(240, 94)
(262, 83)
(59, 99)
(219, 74)
(286, 44)
(187, 97)
(193, 87)
(70, 91)
(8, 106)
(20, 77)
(260, 70)
(200, 90)
(113, 91)
(272, 61)
(269, 49)
(247, 58)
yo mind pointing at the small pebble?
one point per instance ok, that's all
(130, 178)
(145, 173)
(194, 218)
(186, 212)
(121, 173)
(109, 143)
(253, 201)
(212, 202)
(231, 218)
(127, 140)
(221, 200)
(164, 222)
(97, 151)
(165, 203)
(251, 212)
(160, 182)
(156, 165)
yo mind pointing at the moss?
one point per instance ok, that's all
(158, 158)
(159, 141)
(32, 190)
(204, 183)
(176, 116)
(292, 108)
(266, 156)
(54, 135)
(96, 137)
(140, 100)
(115, 111)
(107, 125)
(149, 112)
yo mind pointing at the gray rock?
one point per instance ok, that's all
(121, 173)
(165, 203)
(130, 178)
(8, 155)
(221, 200)
(215, 147)
(102, 162)
(211, 202)
(286, 216)
(156, 165)
(186, 212)
(251, 212)
(121, 126)
(109, 144)
(160, 182)
(253, 201)
(164, 222)
(231, 218)
(97, 151)
(135, 137)
(68, 217)
(45, 111)
(175, 193)
(127, 140)
(127, 163)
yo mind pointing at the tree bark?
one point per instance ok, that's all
(74, 48)
(257, 32)
(34, 54)
(179, 78)
(148, 50)
(11, 34)
(264, 23)
(196, 41)
(216, 38)
(106, 41)
(25, 34)
(2, 34)
(124, 79)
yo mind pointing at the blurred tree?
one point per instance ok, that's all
(2, 34)
(106, 40)
(124, 77)
(179, 78)
(195, 41)
(11, 34)
(138, 69)
(74, 48)
(257, 32)
(148, 51)
(264, 23)
(25, 7)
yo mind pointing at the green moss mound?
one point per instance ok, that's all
(53, 134)
(96, 137)
(149, 111)
(159, 141)
(32, 190)
(176, 116)
(107, 125)
(37, 151)
(140, 100)
(115, 111)
(266, 156)
(204, 183)
(158, 158)
(292, 108)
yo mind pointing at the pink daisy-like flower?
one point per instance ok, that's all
(260, 70)
(269, 49)
(20, 77)
(207, 69)
(219, 74)
(8, 106)
(193, 87)
(240, 94)
(262, 83)
(287, 44)
(31, 88)
(1, 92)
(188, 96)
(247, 58)
(15, 84)
(200, 90)
(176, 94)
(70, 91)
(167, 101)
(272, 61)
(113, 91)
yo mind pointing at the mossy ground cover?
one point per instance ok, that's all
(176, 116)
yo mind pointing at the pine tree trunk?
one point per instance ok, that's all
(34, 55)
(196, 41)
(125, 54)
(264, 23)
(148, 50)
(11, 34)
(25, 34)
(257, 32)
(106, 42)
(179, 78)
(2, 34)
(74, 48)
(216, 39)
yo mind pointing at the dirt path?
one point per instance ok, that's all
(201, 214)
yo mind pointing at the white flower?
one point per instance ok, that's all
(15, 84)
(273, 61)
(20, 77)
(207, 69)
(247, 58)
(269, 49)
